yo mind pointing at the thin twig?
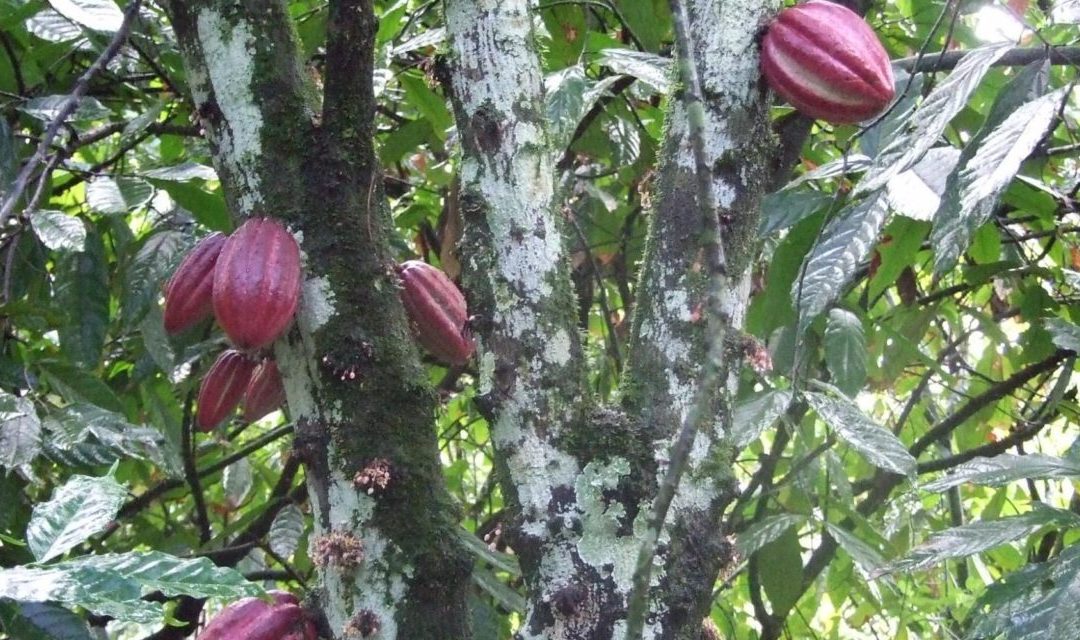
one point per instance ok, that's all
(82, 85)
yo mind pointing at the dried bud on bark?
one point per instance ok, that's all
(257, 283)
(189, 293)
(337, 549)
(265, 392)
(364, 624)
(437, 311)
(223, 388)
(257, 619)
(826, 61)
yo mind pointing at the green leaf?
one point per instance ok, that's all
(867, 558)
(77, 510)
(756, 414)
(1036, 603)
(845, 242)
(916, 193)
(41, 621)
(778, 561)
(564, 93)
(503, 594)
(76, 424)
(117, 195)
(875, 443)
(20, 431)
(59, 231)
(928, 122)
(765, 531)
(237, 481)
(183, 172)
(785, 208)
(649, 19)
(207, 207)
(1005, 468)
(82, 292)
(79, 385)
(156, 571)
(976, 537)
(146, 273)
(51, 26)
(498, 560)
(46, 108)
(99, 15)
(286, 531)
(113, 584)
(848, 163)
(995, 159)
(649, 68)
(845, 351)
(428, 103)
(1065, 334)
(106, 594)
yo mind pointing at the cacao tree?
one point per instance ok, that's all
(577, 328)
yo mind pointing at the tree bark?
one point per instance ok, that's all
(388, 556)
(580, 477)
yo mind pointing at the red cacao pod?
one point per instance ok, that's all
(222, 388)
(265, 392)
(233, 618)
(257, 283)
(256, 619)
(189, 293)
(437, 311)
(826, 61)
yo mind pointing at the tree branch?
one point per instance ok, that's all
(1016, 57)
(68, 107)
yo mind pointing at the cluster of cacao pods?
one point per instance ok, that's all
(436, 311)
(250, 283)
(826, 61)
(255, 619)
(236, 378)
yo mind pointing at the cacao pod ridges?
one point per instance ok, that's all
(265, 392)
(189, 293)
(827, 62)
(223, 388)
(437, 312)
(257, 283)
(256, 619)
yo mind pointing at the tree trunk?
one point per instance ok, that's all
(388, 557)
(579, 477)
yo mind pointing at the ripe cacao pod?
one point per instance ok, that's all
(256, 619)
(437, 311)
(265, 392)
(826, 61)
(222, 388)
(189, 293)
(257, 283)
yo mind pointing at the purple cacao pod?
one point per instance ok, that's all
(826, 61)
(234, 617)
(437, 312)
(281, 622)
(189, 293)
(265, 392)
(222, 388)
(257, 619)
(257, 283)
